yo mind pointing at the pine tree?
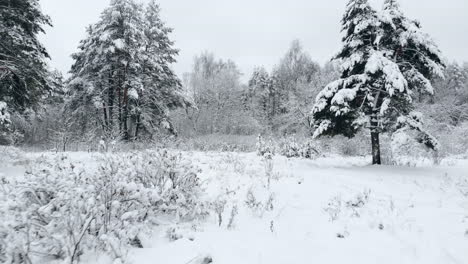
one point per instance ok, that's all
(23, 70)
(122, 76)
(163, 90)
(103, 76)
(385, 59)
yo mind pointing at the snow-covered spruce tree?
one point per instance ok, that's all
(385, 60)
(417, 56)
(121, 80)
(23, 71)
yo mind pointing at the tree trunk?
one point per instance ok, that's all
(119, 99)
(376, 160)
(374, 128)
(106, 120)
(65, 141)
(375, 148)
(126, 134)
(110, 104)
(137, 126)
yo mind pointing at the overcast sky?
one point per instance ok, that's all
(254, 32)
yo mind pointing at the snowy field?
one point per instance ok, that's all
(329, 210)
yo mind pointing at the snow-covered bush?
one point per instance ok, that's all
(219, 206)
(350, 207)
(174, 233)
(173, 176)
(259, 201)
(233, 161)
(411, 144)
(4, 123)
(334, 207)
(264, 147)
(234, 212)
(215, 142)
(455, 140)
(358, 201)
(309, 150)
(226, 211)
(289, 147)
(9, 154)
(462, 186)
(60, 210)
(4, 115)
(352, 147)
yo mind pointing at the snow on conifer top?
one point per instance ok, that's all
(410, 39)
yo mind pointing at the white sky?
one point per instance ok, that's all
(254, 32)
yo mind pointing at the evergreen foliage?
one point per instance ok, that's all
(386, 59)
(23, 69)
(121, 79)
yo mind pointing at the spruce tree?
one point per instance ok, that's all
(340, 106)
(417, 56)
(385, 59)
(23, 70)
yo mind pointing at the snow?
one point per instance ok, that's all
(133, 94)
(417, 77)
(119, 43)
(394, 79)
(414, 34)
(339, 97)
(97, 102)
(414, 121)
(385, 105)
(4, 115)
(422, 217)
(356, 57)
(323, 127)
(343, 96)
(329, 210)
(105, 36)
(116, 15)
(364, 24)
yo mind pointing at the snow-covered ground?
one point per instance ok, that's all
(329, 210)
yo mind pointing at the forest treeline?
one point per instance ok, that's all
(121, 86)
